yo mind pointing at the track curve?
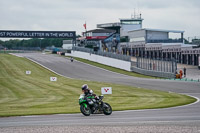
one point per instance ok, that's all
(178, 116)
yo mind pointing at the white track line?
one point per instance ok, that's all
(48, 68)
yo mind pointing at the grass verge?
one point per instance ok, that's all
(34, 94)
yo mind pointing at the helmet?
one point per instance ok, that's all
(85, 87)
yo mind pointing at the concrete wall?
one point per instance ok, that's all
(137, 33)
(125, 65)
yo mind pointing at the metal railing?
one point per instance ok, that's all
(157, 64)
(107, 54)
(153, 73)
(155, 67)
(165, 41)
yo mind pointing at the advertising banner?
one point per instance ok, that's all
(53, 78)
(37, 34)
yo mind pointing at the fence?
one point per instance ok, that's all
(155, 67)
(153, 73)
(107, 54)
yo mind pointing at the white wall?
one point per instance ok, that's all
(126, 28)
(125, 65)
(157, 35)
(67, 46)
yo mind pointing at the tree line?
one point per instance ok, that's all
(35, 42)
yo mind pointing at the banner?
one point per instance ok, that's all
(38, 34)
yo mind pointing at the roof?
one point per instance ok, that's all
(159, 30)
(101, 31)
(106, 25)
(128, 19)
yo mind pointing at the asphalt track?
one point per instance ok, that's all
(179, 119)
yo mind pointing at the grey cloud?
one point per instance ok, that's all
(71, 14)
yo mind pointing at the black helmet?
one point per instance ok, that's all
(85, 87)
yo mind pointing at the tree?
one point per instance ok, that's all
(34, 42)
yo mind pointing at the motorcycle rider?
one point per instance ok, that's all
(71, 59)
(87, 91)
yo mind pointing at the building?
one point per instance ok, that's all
(130, 38)
(151, 43)
(156, 44)
(121, 29)
(94, 38)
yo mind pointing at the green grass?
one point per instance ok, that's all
(34, 94)
(113, 69)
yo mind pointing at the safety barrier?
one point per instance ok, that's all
(157, 64)
(142, 66)
(121, 64)
(155, 67)
(107, 54)
(153, 73)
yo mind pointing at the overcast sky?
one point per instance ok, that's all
(70, 15)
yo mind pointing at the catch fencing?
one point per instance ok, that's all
(155, 67)
(146, 66)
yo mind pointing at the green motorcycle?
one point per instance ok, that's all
(91, 105)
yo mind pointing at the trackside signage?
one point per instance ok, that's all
(53, 78)
(38, 34)
(28, 72)
(106, 90)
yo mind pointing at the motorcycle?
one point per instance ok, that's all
(71, 59)
(91, 105)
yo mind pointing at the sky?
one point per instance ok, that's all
(70, 15)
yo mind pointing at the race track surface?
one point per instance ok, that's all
(179, 119)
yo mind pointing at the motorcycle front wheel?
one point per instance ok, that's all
(107, 109)
(85, 110)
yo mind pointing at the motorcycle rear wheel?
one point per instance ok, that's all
(107, 109)
(85, 110)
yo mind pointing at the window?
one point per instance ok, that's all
(131, 22)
